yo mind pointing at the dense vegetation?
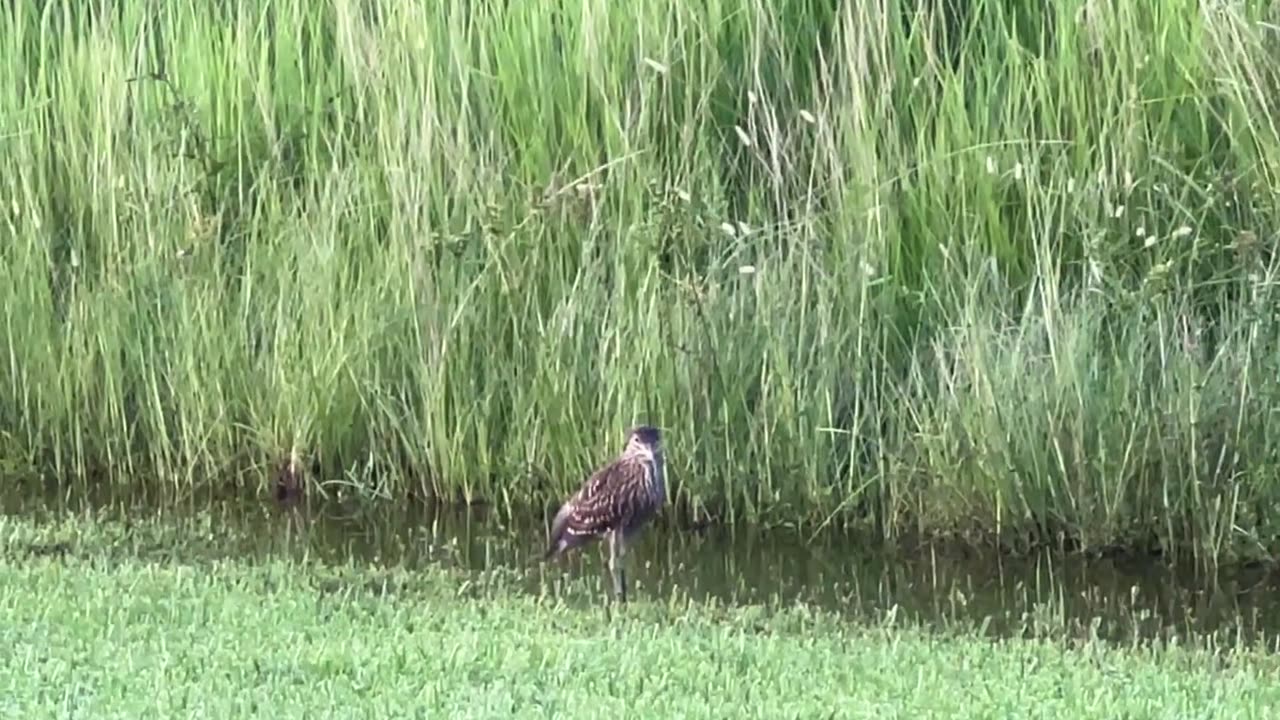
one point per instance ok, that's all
(952, 267)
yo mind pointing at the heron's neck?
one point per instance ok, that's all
(645, 452)
(653, 458)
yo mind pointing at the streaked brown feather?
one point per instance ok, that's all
(606, 501)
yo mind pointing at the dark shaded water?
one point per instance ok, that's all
(1117, 599)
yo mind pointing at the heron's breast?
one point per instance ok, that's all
(657, 483)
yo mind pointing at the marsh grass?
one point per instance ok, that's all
(985, 272)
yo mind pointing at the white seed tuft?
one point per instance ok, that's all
(657, 66)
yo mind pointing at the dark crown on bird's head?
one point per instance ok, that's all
(644, 435)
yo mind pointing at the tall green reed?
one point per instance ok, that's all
(893, 263)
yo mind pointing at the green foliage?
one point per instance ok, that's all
(917, 265)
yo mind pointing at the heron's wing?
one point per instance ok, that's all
(602, 502)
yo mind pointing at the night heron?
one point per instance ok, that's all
(615, 503)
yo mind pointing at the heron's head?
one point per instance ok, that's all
(644, 438)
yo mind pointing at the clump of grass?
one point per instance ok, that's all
(994, 271)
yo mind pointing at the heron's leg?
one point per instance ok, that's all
(617, 564)
(622, 564)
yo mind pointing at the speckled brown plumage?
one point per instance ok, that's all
(615, 502)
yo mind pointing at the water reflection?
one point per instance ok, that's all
(1117, 599)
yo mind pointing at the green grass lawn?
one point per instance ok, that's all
(117, 627)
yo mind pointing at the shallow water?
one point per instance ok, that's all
(1118, 599)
